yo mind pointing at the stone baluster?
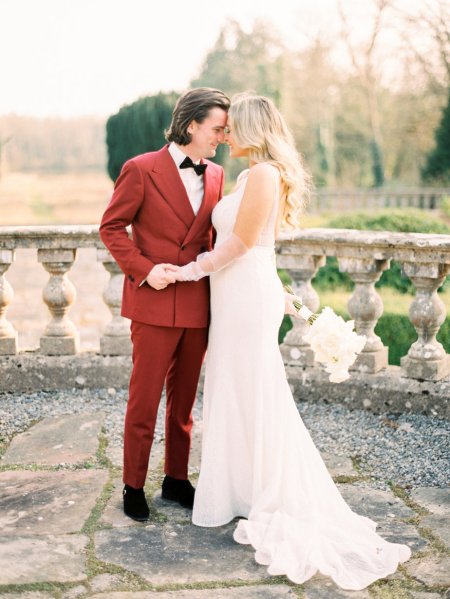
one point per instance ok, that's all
(426, 358)
(60, 336)
(8, 335)
(302, 268)
(365, 307)
(115, 340)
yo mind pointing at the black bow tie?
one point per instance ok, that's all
(198, 168)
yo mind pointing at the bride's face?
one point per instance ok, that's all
(235, 149)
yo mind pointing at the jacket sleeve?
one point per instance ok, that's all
(125, 203)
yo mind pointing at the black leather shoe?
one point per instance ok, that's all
(134, 504)
(178, 490)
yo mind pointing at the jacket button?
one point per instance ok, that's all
(203, 249)
(183, 247)
(131, 278)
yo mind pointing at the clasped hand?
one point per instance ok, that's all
(162, 275)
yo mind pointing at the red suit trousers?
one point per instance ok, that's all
(173, 355)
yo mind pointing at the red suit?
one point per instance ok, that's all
(169, 326)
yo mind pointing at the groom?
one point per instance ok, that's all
(167, 196)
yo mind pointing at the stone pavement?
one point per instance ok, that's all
(63, 534)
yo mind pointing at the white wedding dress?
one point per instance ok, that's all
(258, 460)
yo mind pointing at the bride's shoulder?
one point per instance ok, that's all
(264, 170)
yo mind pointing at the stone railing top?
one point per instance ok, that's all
(50, 237)
(380, 245)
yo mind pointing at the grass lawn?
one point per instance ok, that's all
(394, 302)
(58, 199)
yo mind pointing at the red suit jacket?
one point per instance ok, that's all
(150, 195)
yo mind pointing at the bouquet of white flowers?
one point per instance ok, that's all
(332, 339)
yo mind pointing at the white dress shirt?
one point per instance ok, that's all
(191, 181)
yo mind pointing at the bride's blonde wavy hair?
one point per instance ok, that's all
(259, 127)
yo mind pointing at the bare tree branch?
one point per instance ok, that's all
(434, 20)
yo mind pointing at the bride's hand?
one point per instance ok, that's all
(170, 273)
(289, 307)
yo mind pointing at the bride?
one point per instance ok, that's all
(259, 462)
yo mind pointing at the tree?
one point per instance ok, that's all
(438, 161)
(430, 26)
(364, 65)
(244, 61)
(137, 128)
(241, 61)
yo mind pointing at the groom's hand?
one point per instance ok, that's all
(160, 276)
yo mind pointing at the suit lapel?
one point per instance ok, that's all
(204, 213)
(167, 179)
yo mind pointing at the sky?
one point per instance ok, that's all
(89, 57)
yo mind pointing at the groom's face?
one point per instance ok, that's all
(207, 135)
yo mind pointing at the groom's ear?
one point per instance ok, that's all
(191, 127)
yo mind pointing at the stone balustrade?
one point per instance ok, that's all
(364, 255)
(56, 251)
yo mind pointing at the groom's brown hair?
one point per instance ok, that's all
(194, 105)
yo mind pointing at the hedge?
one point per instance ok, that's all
(409, 220)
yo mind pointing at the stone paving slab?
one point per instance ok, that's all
(388, 512)
(113, 513)
(321, 587)
(172, 510)
(338, 465)
(115, 454)
(435, 500)
(434, 571)
(40, 503)
(77, 592)
(42, 559)
(439, 526)
(68, 439)
(106, 582)
(27, 595)
(424, 595)
(407, 534)
(375, 504)
(247, 592)
(173, 552)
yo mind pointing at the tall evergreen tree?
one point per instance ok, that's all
(438, 160)
(137, 128)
